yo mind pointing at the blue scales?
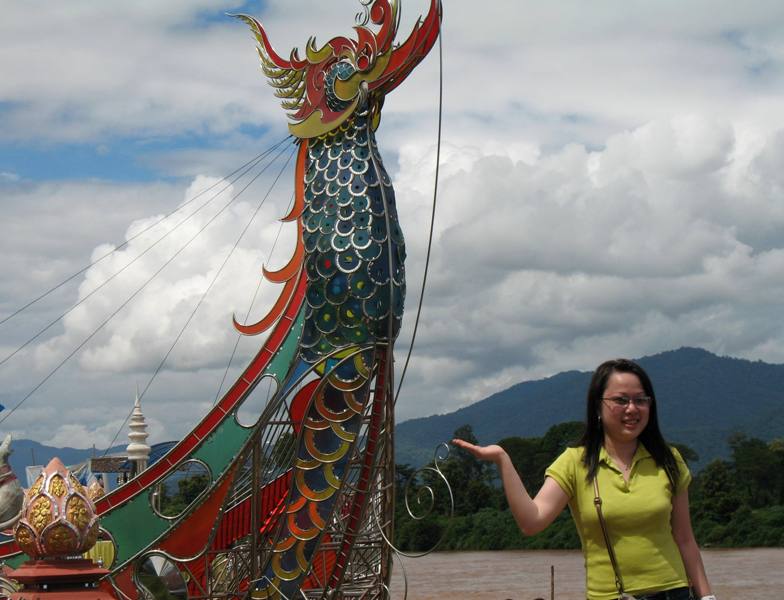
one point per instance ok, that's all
(354, 248)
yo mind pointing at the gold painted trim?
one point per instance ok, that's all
(329, 475)
(301, 560)
(315, 55)
(314, 126)
(315, 495)
(344, 435)
(298, 532)
(282, 573)
(331, 415)
(326, 457)
(307, 465)
(286, 544)
(347, 89)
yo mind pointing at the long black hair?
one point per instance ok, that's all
(651, 436)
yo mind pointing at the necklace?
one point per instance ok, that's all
(624, 466)
(620, 464)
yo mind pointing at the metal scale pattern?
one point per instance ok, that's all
(353, 243)
(354, 254)
(303, 528)
(352, 251)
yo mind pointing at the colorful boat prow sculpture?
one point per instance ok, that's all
(299, 502)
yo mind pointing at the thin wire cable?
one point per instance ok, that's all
(124, 304)
(432, 214)
(203, 296)
(250, 308)
(427, 260)
(126, 266)
(143, 231)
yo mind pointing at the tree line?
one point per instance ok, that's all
(737, 502)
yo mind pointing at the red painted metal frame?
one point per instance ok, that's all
(235, 523)
(216, 415)
(219, 412)
(363, 485)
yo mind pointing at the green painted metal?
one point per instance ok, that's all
(16, 560)
(282, 361)
(221, 447)
(134, 526)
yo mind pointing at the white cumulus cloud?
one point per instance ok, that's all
(610, 184)
(584, 254)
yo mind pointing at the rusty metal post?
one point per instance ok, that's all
(255, 568)
(552, 582)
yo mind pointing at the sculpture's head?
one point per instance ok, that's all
(326, 87)
(5, 450)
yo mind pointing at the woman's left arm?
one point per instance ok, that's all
(684, 538)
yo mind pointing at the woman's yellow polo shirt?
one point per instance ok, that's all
(638, 521)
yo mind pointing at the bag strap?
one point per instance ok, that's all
(597, 502)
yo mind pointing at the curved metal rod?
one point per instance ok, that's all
(431, 498)
(104, 535)
(405, 577)
(138, 563)
(117, 589)
(272, 584)
(214, 279)
(238, 569)
(270, 395)
(324, 379)
(177, 520)
(8, 585)
(115, 247)
(155, 489)
(11, 522)
(432, 215)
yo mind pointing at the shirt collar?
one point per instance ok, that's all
(641, 453)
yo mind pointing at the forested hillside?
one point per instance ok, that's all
(735, 502)
(703, 400)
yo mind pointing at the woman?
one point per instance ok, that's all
(643, 486)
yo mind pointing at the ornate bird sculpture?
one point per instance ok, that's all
(300, 502)
(350, 252)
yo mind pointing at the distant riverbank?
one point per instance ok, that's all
(525, 574)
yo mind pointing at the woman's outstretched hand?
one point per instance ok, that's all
(531, 515)
(491, 453)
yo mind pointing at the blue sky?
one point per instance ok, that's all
(610, 185)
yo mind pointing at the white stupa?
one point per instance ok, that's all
(138, 451)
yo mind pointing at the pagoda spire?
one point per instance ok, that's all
(138, 451)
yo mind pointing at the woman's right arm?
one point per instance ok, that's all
(531, 514)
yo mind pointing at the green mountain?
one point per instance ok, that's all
(703, 398)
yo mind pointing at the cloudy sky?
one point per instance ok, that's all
(611, 184)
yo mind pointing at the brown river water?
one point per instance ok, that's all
(525, 575)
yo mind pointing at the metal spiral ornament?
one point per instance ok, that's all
(429, 495)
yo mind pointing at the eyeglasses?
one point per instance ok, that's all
(622, 402)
